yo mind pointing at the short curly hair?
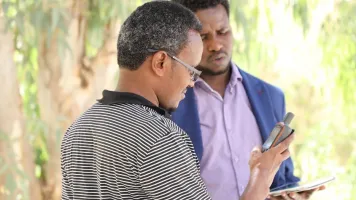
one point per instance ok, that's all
(160, 25)
(195, 5)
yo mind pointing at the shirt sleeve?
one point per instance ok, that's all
(169, 171)
(66, 189)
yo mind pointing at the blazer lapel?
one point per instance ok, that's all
(260, 103)
(187, 118)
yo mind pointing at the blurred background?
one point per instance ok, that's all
(57, 56)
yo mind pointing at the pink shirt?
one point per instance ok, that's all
(229, 132)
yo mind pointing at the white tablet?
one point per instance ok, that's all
(304, 187)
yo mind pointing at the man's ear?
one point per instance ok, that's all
(160, 63)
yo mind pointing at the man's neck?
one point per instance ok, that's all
(218, 82)
(132, 83)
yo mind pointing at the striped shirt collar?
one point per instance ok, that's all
(114, 97)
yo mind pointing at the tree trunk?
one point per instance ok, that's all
(16, 153)
(69, 85)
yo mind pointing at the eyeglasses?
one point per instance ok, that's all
(194, 73)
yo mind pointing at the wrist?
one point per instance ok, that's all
(255, 192)
(249, 195)
(257, 188)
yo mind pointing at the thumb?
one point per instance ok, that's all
(256, 151)
(255, 154)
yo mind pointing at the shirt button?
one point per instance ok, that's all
(236, 159)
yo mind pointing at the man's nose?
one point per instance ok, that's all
(214, 44)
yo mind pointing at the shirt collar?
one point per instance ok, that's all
(114, 97)
(234, 78)
(235, 74)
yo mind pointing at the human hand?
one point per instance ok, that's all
(264, 166)
(297, 196)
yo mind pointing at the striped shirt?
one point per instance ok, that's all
(124, 147)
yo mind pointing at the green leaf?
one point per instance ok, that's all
(301, 13)
(6, 6)
(38, 172)
(11, 11)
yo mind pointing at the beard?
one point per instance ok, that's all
(208, 72)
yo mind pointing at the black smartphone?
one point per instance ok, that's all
(279, 133)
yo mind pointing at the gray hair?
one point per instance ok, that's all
(160, 25)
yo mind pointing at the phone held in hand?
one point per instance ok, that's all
(279, 133)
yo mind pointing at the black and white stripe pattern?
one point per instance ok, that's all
(128, 151)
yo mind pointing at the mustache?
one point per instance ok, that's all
(216, 54)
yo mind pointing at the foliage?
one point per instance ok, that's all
(324, 98)
(100, 13)
(250, 49)
(339, 38)
(325, 144)
(30, 21)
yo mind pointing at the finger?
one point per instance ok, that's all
(286, 196)
(255, 154)
(306, 195)
(256, 150)
(322, 187)
(312, 191)
(275, 198)
(285, 155)
(279, 198)
(295, 196)
(316, 189)
(281, 147)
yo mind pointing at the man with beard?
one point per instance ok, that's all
(229, 111)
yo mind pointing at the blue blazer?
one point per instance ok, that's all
(268, 106)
